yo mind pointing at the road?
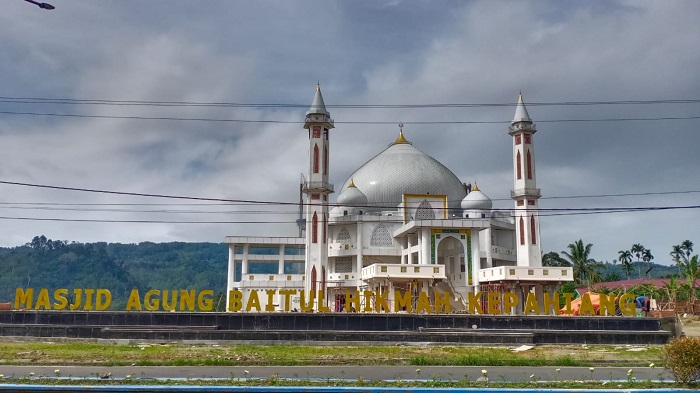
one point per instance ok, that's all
(507, 374)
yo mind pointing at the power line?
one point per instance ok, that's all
(544, 212)
(204, 119)
(71, 101)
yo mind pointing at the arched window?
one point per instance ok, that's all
(425, 211)
(518, 164)
(343, 236)
(314, 229)
(315, 158)
(533, 233)
(522, 232)
(381, 237)
(325, 160)
(529, 165)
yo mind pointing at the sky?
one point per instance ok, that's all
(378, 52)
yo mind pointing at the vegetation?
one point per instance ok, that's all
(43, 354)
(682, 357)
(52, 264)
(585, 268)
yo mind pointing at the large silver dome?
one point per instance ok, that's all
(403, 169)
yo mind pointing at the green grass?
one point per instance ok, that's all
(22, 353)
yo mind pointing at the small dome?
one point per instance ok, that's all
(476, 200)
(351, 196)
(350, 201)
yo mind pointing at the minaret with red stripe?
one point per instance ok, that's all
(525, 192)
(317, 190)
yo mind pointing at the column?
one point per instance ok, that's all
(280, 261)
(424, 247)
(476, 260)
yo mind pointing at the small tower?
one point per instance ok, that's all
(525, 192)
(316, 189)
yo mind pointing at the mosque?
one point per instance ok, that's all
(402, 225)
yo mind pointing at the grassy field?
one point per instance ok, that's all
(74, 353)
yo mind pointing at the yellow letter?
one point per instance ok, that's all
(88, 299)
(607, 304)
(253, 301)
(234, 300)
(103, 300)
(510, 300)
(551, 303)
(152, 305)
(187, 299)
(78, 298)
(352, 301)
(60, 296)
(205, 304)
(169, 302)
(287, 293)
(321, 304)
(423, 304)
(270, 306)
(303, 304)
(42, 301)
(493, 305)
(22, 297)
(134, 301)
(473, 301)
(627, 304)
(402, 302)
(567, 303)
(442, 300)
(380, 302)
(368, 295)
(531, 305)
(586, 306)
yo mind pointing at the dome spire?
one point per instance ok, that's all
(520, 111)
(475, 188)
(401, 140)
(352, 184)
(317, 105)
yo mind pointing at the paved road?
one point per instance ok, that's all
(510, 374)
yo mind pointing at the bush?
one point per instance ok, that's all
(682, 358)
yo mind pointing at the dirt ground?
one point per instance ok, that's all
(691, 325)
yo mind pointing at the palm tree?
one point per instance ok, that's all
(681, 253)
(647, 257)
(637, 250)
(552, 258)
(625, 258)
(584, 267)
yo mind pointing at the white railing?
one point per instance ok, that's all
(526, 273)
(391, 270)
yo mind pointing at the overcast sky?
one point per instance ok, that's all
(362, 52)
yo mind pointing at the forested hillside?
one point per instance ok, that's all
(52, 264)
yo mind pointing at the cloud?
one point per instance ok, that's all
(389, 52)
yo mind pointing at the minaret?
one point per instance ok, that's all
(525, 191)
(316, 189)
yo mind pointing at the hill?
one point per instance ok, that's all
(52, 264)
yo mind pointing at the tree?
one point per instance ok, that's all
(625, 258)
(647, 257)
(691, 271)
(552, 258)
(681, 253)
(584, 266)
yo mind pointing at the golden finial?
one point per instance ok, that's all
(352, 184)
(401, 140)
(475, 188)
(318, 86)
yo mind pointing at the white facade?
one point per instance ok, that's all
(401, 223)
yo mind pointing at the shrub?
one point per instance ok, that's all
(682, 358)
